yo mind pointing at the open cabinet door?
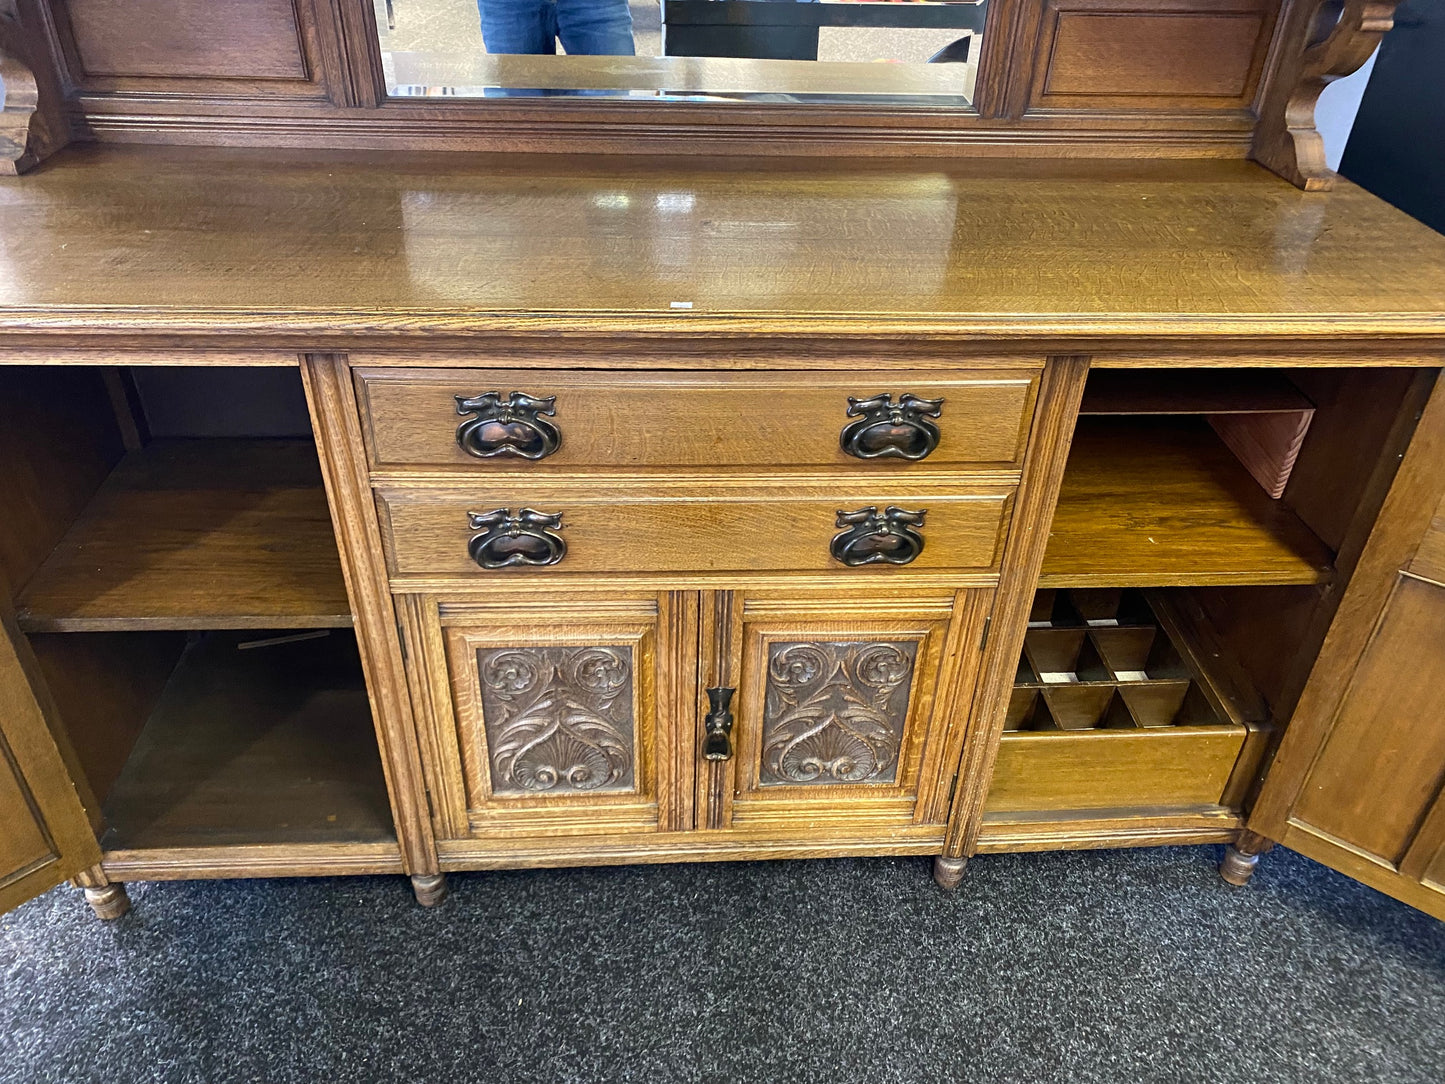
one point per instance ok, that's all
(45, 836)
(1359, 780)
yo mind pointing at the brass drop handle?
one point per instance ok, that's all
(888, 430)
(718, 725)
(517, 426)
(506, 540)
(891, 537)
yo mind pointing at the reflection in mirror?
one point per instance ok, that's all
(896, 51)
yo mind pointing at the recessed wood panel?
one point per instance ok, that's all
(1146, 54)
(234, 39)
(833, 713)
(1383, 767)
(23, 845)
(558, 720)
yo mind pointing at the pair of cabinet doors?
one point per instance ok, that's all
(586, 714)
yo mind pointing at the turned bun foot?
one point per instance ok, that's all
(108, 902)
(1237, 867)
(948, 872)
(430, 888)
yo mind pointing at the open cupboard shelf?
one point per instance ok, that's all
(1150, 501)
(197, 534)
(269, 744)
(1114, 708)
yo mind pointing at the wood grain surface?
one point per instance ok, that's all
(785, 421)
(693, 525)
(1164, 767)
(1148, 503)
(197, 534)
(279, 243)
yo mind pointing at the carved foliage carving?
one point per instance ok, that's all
(834, 712)
(558, 719)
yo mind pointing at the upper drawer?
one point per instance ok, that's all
(692, 525)
(412, 418)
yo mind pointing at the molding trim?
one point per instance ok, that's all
(868, 133)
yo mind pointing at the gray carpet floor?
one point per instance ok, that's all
(1133, 966)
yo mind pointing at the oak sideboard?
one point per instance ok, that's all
(373, 508)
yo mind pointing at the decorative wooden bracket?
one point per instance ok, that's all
(31, 127)
(1324, 40)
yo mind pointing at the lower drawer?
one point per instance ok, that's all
(697, 526)
(1108, 769)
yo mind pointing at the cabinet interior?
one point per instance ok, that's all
(175, 569)
(1181, 602)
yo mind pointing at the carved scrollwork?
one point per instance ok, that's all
(834, 712)
(558, 719)
(516, 427)
(1330, 39)
(21, 97)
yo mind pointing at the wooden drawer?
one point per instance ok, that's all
(720, 420)
(692, 525)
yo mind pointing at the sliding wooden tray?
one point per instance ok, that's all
(1113, 709)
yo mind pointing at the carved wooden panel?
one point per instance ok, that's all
(549, 715)
(558, 719)
(848, 712)
(834, 712)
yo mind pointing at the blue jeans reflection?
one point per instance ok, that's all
(585, 27)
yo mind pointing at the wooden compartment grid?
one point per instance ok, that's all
(1099, 660)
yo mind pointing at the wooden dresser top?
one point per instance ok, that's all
(203, 245)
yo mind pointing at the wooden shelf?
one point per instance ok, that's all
(1162, 502)
(197, 534)
(1191, 391)
(271, 745)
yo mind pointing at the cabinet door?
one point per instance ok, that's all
(1359, 782)
(848, 710)
(555, 714)
(44, 834)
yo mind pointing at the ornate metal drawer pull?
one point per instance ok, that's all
(523, 539)
(888, 431)
(718, 724)
(515, 427)
(871, 538)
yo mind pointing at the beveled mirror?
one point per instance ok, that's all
(834, 51)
